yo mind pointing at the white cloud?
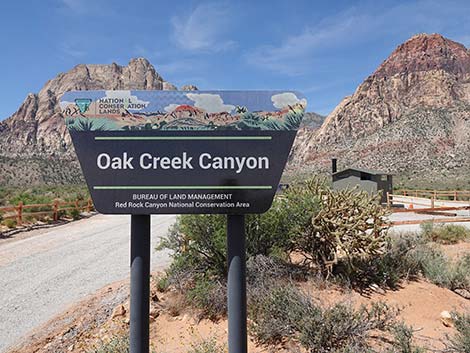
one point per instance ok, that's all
(203, 29)
(71, 50)
(65, 104)
(75, 5)
(211, 103)
(282, 100)
(169, 108)
(86, 7)
(127, 97)
(464, 39)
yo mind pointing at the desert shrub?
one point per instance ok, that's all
(263, 270)
(445, 233)
(285, 311)
(397, 262)
(209, 296)
(10, 223)
(274, 312)
(29, 197)
(198, 242)
(117, 344)
(61, 214)
(341, 326)
(348, 227)
(162, 284)
(438, 269)
(74, 213)
(208, 346)
(460, 342)
(403, 340)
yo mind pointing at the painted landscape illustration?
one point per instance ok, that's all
(203, 110)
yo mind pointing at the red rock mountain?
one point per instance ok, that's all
(411, 117)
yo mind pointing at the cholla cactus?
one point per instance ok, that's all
(350, 226)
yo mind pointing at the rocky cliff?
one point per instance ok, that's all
(34, 144)
(411, 117)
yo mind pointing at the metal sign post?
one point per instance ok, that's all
(140, 284)
(177, 152)
(236, 284)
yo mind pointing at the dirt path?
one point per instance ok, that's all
(44, 271)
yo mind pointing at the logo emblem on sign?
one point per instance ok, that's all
(83, 104)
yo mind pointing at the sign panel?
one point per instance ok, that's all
(177, 152)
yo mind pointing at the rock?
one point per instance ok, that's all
(446, 319)
(154, 297)
(119, 311)
(189, 88)
(463, 292)
(154, 311)
(375, 288)
(410, 115)
(169, 87)
(35, 135)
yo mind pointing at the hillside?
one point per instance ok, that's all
(35, 147)
(411, 117)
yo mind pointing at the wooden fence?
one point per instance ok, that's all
(418, 202)
(454, 195)
(55, 208)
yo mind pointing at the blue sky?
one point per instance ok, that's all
(323, 49)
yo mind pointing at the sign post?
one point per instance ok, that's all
(140, 283)
(236, 284)
(175, 152)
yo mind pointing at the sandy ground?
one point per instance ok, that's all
(176, 331)
(54, 268)
(44, 271)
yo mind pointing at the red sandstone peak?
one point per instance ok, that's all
(426, 52)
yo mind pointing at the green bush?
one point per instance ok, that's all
(61, 214)
(403, 340)
(398, 262)
(198, 242)
(274, 311)
(286, 312)
(342, 326)
(445, 234)
(349, 227)
(460, 342)
(210, 296)
(10, 223)
(441, 271)
(208, 346)
(163, 284)
(75, 214)
(118, 344)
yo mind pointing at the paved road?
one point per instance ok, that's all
(44, 271)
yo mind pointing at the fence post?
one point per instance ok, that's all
(77, 205)
(455, 195)
(432, 202)
(388, 199)
(88, 206)
(20, 213)
(55, 207)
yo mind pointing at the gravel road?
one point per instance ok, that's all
(44, 271)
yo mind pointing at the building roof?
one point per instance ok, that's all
(368, 171)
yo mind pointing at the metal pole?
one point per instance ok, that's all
(236, 287)
(140, 283)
